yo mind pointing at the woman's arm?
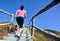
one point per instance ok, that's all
(25, 14)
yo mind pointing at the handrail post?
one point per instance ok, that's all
(12, 18)
(11, 23)
(32, 30)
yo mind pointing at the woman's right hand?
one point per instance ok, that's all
(25, 17)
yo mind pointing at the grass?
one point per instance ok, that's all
(39, 36)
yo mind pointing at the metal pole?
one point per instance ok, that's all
(32, 30)
(11, 23)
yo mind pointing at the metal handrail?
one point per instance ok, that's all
(12, 15)
(53, 3)
(5, 12)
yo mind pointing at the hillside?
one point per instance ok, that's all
(39, 36)
(4, 29)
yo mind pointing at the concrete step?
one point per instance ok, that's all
(25, 35)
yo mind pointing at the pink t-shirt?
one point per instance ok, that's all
(21, 13)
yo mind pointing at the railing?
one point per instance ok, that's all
(10, 22)
(53, 3)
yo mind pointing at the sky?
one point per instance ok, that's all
(47, 20)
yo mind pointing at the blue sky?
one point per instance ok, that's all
(47, 20)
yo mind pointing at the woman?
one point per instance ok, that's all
(20, 15)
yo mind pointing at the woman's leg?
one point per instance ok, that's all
(20, 21)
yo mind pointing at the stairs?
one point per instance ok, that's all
(24, 36)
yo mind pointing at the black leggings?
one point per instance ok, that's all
(20, 21)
